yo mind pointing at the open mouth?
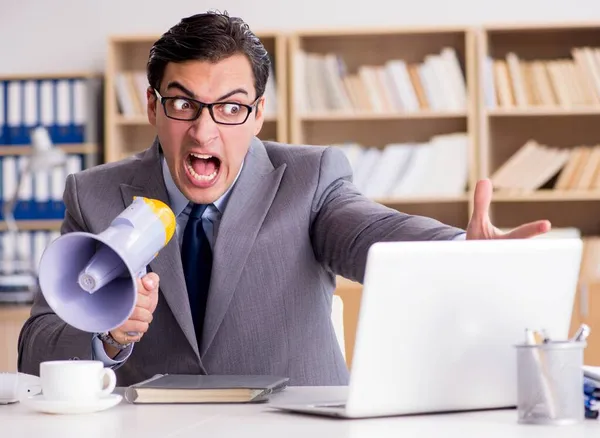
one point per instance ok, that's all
(203, 168)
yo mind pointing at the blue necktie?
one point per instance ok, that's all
(196, 257)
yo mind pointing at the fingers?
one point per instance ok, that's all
(132, 325)
(149, 286)
(134, 328)
(139, 321)
(143, 301)
(126, 338)
(531, 229)
(148, 283)
(130, 331)
(148, 291)
(482, 200)
(141, 314)
(147, 299)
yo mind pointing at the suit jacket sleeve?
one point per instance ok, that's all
(345, 223)
(44, 335)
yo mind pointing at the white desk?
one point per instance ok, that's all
(258, 420)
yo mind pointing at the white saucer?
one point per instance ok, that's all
(39, 403)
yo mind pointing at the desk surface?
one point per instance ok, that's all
(258, 420)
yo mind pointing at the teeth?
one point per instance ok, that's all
(202, 156)
(198, 177)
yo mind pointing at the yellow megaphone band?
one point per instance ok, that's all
(164, 213)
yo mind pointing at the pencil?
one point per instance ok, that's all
(534, 338)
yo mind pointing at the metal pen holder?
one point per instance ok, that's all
(550, 383)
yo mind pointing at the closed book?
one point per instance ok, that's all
(191, 388)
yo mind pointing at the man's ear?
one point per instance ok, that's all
(260, 115)
(151, 106)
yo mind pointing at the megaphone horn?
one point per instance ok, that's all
(90, 281)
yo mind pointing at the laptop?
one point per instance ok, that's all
(439, 321)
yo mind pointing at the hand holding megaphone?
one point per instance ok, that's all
(139, 321)
(92, 282)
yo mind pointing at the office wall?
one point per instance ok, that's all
(62, 35)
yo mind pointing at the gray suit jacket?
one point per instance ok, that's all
(294, 220)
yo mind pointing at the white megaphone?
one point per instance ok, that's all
(90, 281)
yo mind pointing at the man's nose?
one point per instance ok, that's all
(204, 128)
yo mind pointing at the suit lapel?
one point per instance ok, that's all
(148, 182)
(247, 207)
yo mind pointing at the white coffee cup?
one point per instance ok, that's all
(76, 380)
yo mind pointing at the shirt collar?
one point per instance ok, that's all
(178, 200)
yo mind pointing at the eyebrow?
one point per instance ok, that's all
(177, 85)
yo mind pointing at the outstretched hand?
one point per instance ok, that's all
(480, 227)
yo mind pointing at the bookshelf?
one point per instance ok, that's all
(127, 130)
(393, 96)
(68, 104)
(539, 105)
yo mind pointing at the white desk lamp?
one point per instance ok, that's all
(43, 157)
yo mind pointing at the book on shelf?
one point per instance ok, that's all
(323, 83)
(131, 87)
(534, 166)
(20, 255)
(23, 247)
(67, 106)
(512, 82)
(40, 196)
(438, 167)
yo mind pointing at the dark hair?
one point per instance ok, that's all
(211, 36)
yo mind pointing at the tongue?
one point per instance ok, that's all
(203, 167)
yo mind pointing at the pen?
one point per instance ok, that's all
(581, 334)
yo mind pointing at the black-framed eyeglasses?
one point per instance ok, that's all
(188, 109)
